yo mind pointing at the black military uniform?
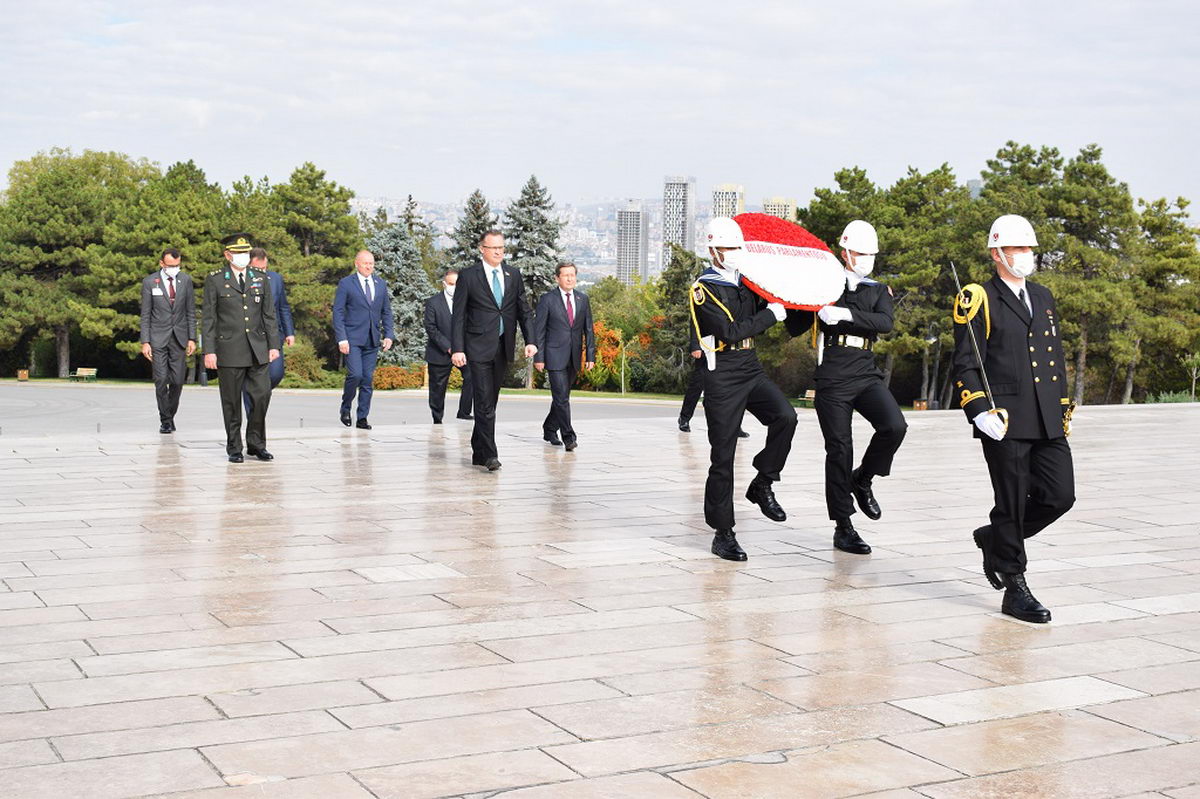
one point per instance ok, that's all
(733, 315)
(241, 329)
(1031, 469)
(848, 380)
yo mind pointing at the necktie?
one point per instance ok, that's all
(1025, 302)
(171, 288)
(242, 281)
(570, 311)
(498, 294)
(368, 289)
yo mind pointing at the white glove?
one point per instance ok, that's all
(990, 424)
(777, 309)
(832, 314)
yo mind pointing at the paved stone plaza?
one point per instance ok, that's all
(370, 616)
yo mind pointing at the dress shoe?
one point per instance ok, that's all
(570, 445)
(983, 540)
(760, 494)
(863, 495)
(346, 418)
(847, 539)
(685, 425)
(363, 424)
(742, 433)
(261, 454)
(552, 439)
(725, 546)
(236, 458)
(165, 427)
(466, 416)
(1019, 602)
(172, 425)
(492, 464)
(437, 421)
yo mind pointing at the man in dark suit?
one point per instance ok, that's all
(489, 304)
(283, 313)
(241, 337)
(362, 323)
(168, 332)
(439, 311)
(562, 330)
(1011, 379)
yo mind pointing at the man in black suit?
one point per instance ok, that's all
(562, 327)
(439, 311)
(1011, 379)
(168, 332)
(489, 304)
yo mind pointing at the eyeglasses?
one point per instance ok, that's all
(485, 247)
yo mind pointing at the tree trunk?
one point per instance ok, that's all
(933, 373)
(1112, 382)
(1127, 395)
(947, 390)
(62, 342)
(925, 373)
(1080, 362)
(889, 361)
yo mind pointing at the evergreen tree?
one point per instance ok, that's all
(674, 288)
(476, 220)
(433, 260)
(531, 233)
(398, 262)
(370, 224)
(316, 212)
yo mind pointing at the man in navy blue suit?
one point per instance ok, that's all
(562, 328)
(489, 305)
(362, 323)
(283, 314)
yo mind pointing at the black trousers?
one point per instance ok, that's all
(1034, 484)
(558, 420)
(836, 402)
(169, 368)
(486, 379)
(255, 381)
(695, 388)
(439, 378)
(739, 384)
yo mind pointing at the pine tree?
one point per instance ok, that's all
(476, 220)
(433, 260)
(398, 262)
(531, 232)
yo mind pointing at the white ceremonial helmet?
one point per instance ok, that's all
(860, 236)
(724, 232)
(1012, 230)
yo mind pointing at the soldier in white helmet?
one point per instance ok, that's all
(726, 316)
(1011, 381)
(848, 380)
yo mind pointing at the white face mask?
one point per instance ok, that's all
(449, 290)
(863, 265)
(728, 262)
(1021, 264)
(241, 259)
(171, 271)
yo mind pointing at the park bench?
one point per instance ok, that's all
(809, 398)
(85, 373)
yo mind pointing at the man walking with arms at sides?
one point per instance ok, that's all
(241, 337)
(562, 329)
(168, 332)
(362, 323)
(489, 305)
(1011, 379)
(439, 313)
(283, 313)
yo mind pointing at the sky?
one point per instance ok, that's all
(602, 99)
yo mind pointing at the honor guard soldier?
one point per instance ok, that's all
(1011, 381)
(726, 317)
(241, 336)
(848, 380)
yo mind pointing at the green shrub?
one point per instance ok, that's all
(1170, 396)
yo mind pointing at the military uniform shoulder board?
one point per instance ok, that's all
(697, 293)
(968, 304)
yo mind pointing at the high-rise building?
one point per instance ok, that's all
(679, 215)
(729, 199)
(633, 243)
(782, 207)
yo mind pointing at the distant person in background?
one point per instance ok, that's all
(283, 313)
(439, 313)
(695, 388)
(362, 323)
(168, 332)
(562, 331)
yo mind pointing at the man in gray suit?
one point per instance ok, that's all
(168, 332)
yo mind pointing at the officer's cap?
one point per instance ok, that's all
(236, 242)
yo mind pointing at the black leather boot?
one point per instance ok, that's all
(760, 494)
(983, 540)
(1020, 603)
(863, 495)
(725, 546)
(847, 539)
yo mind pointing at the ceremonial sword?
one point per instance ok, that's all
(987, 388)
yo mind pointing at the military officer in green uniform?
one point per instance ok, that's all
(241, 338)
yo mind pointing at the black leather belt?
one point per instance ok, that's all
(855, 342)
